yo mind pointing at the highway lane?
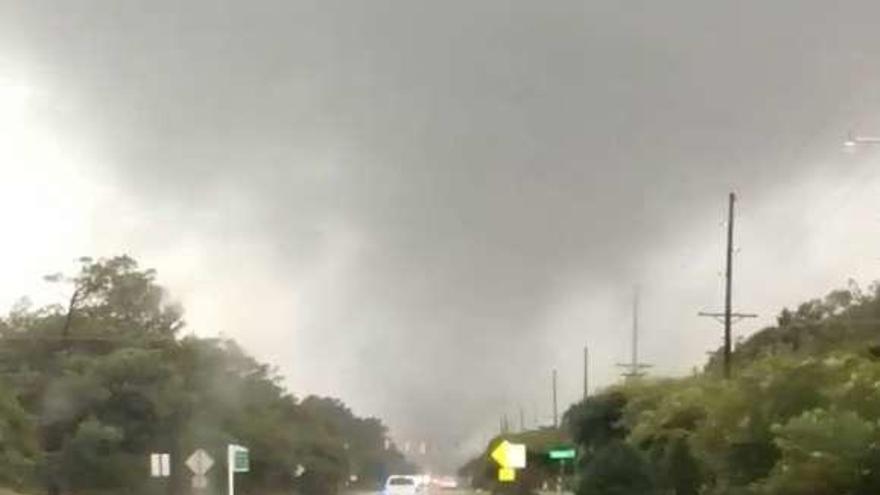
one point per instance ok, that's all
(451, 492)
(431, 492)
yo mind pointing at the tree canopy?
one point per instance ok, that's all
(89, 389)
(799, 417)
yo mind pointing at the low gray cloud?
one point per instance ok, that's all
(434, 203)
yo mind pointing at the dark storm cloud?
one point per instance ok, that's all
(485, 155)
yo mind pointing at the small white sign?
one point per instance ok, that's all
(160, 465)
(517, 455)
(155, 466)
(199, 482)
(237, 461)
(200, 462)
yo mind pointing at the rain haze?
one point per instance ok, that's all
(424, 207)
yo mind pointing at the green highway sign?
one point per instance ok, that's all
(237, 461)
(241, 460)
(561, 454)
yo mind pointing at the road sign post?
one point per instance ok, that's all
(561, 476)
(160, 465)
(510, 457)
(200, 462)
(237, 461)
(561, 454)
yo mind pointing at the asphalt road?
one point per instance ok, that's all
(452, 492)
(432, 492)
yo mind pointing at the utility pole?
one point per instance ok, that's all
(586, 372)
(555, 411)
(522, 420)
(728, 315)
(634, 367)
(728, 281)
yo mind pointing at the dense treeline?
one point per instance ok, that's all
(89, 389)
(801, 415)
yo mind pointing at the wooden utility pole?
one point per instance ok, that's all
(728, 315)
(586, 372)
(728, 285)
(634, 368)
(555, 410)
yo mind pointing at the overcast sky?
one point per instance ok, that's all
(424, 207)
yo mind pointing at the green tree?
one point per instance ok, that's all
(98, 384)
(19, 452)
(821, 453)
(681, 471)
(617, 469)
(597, 420)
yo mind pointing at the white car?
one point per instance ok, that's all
(403, 485)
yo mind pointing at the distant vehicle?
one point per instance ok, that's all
(403, 485)
(445, 483)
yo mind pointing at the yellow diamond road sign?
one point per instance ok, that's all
(510, 455)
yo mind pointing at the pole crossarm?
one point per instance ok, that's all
(735, 317)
